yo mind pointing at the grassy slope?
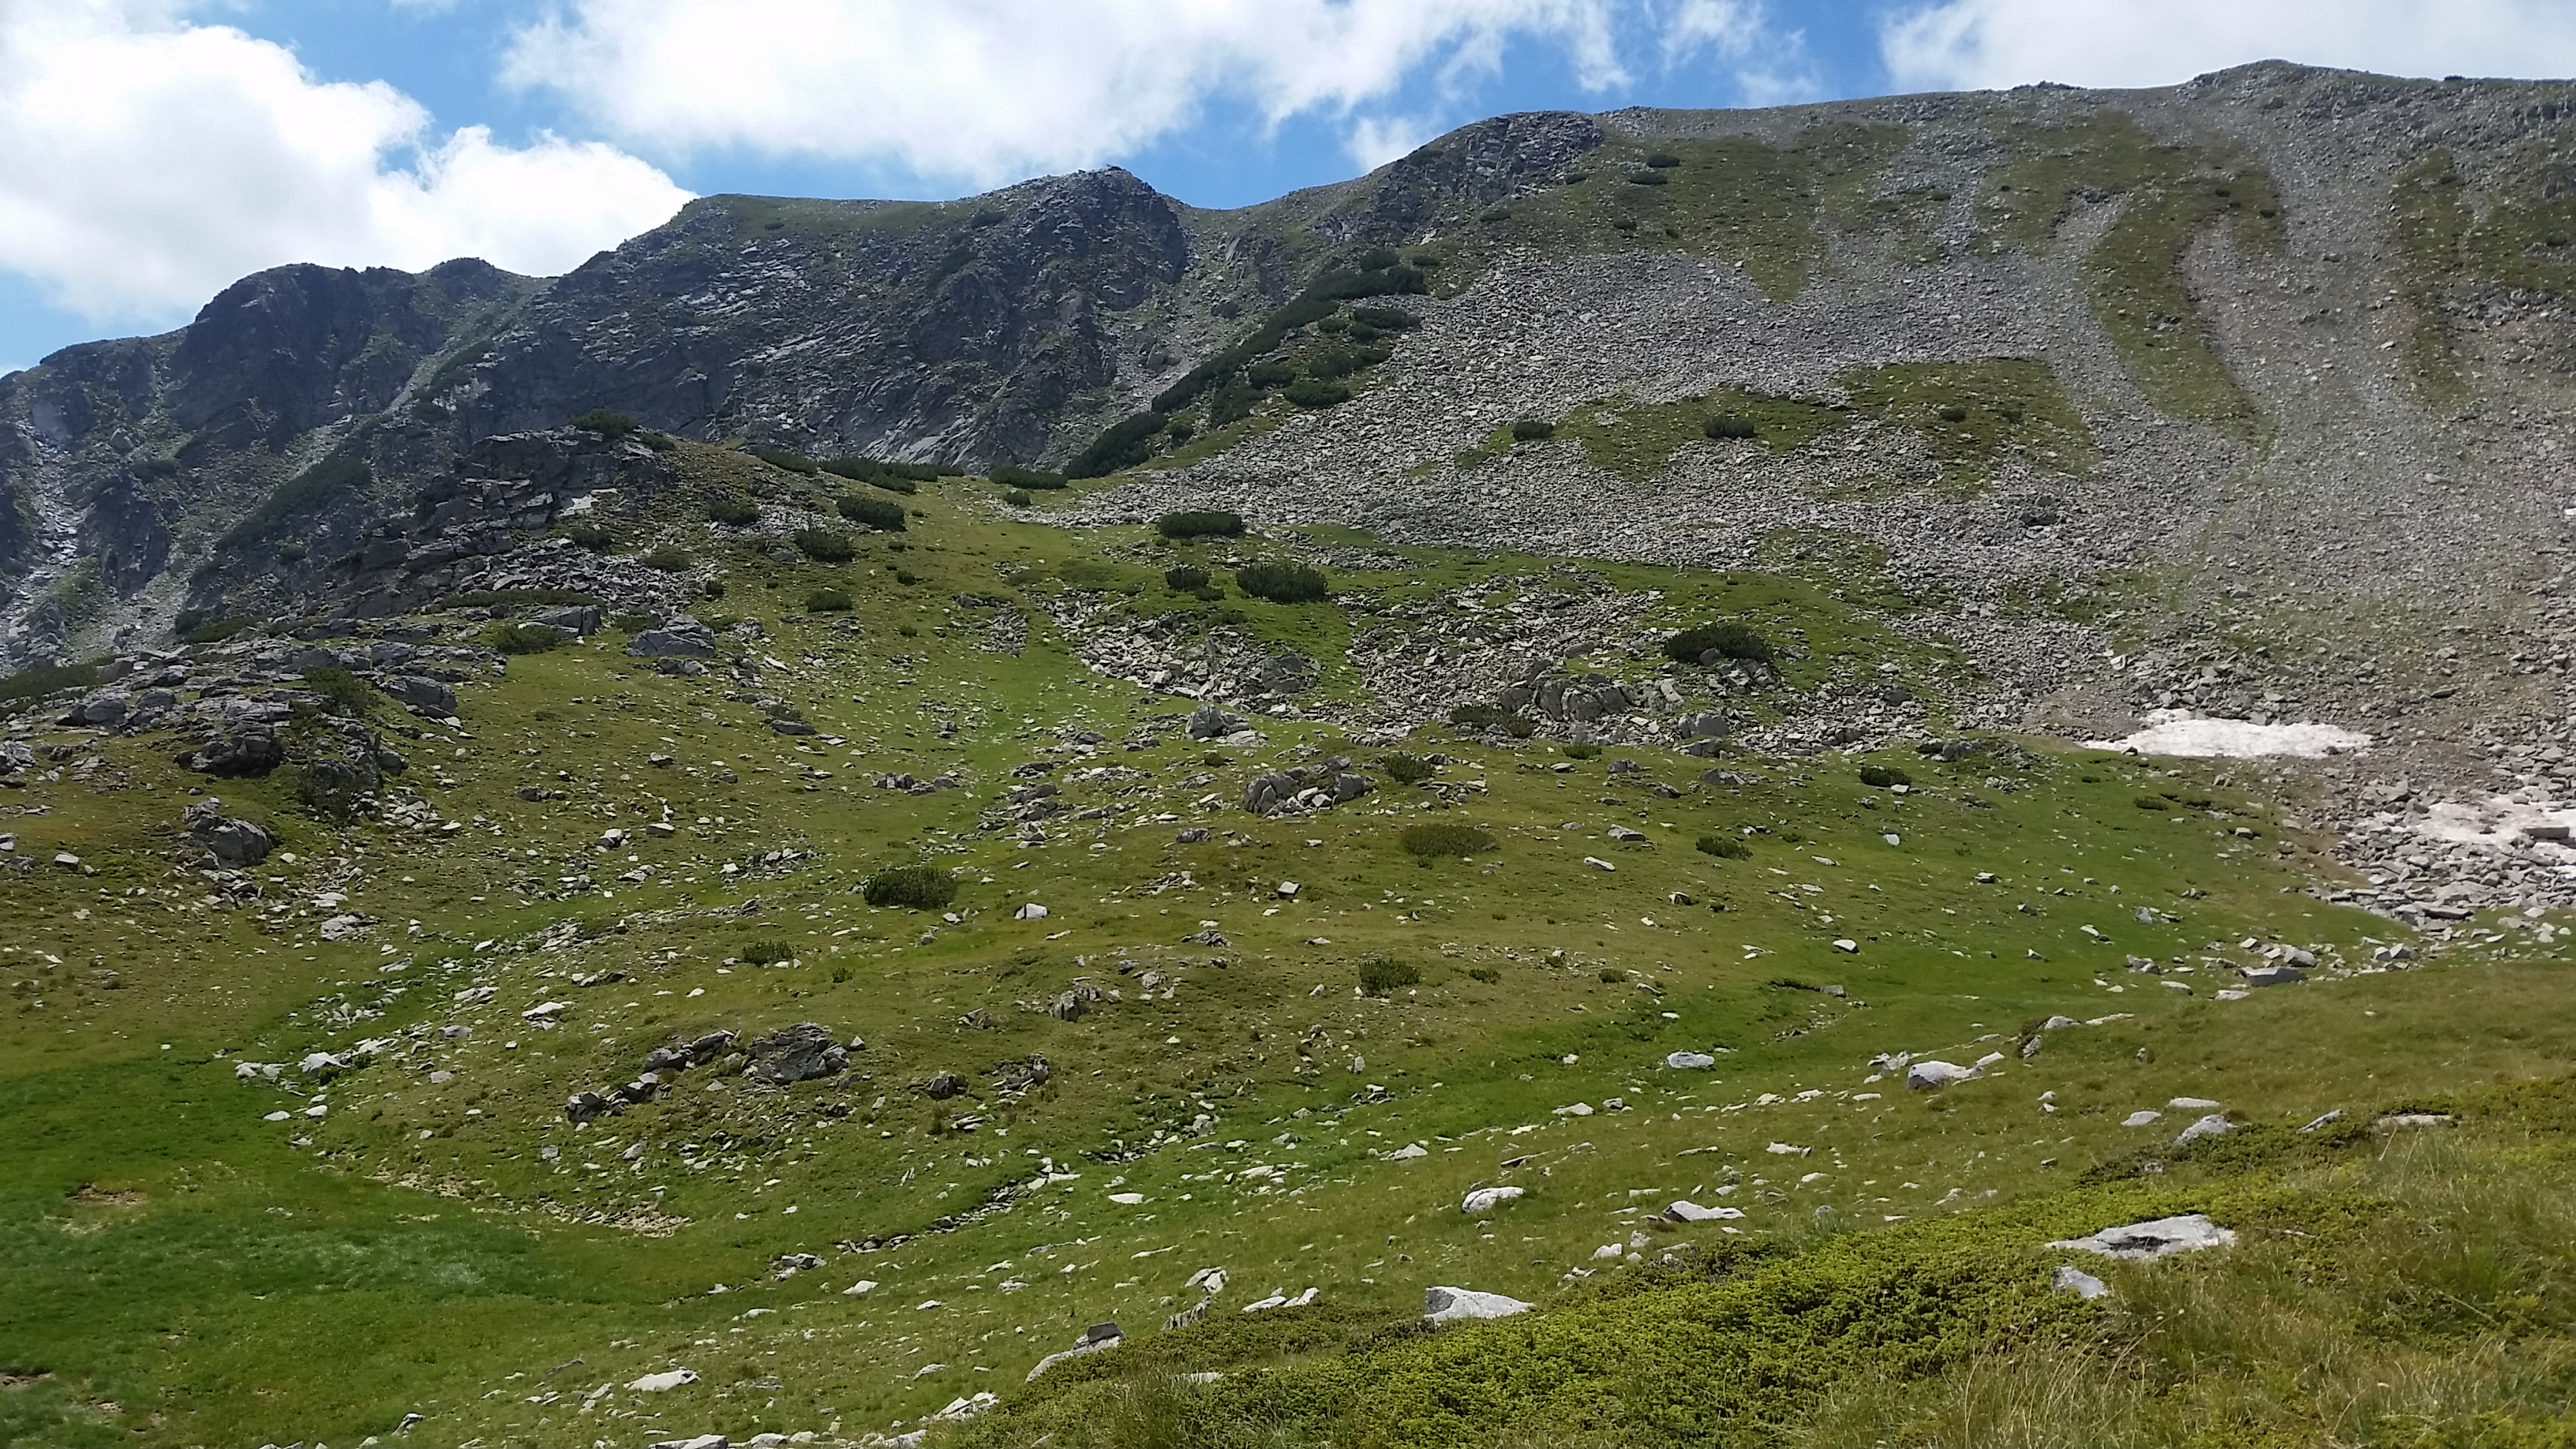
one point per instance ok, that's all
(188, 1273)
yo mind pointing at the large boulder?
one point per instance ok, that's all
(682, 638)
(232, 842)
(2156, 1238)
(1452, 1305)
(421, 695)
(243, 750)
(796, 1053)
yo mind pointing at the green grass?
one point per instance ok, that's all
(2170, 195)
(217, 1278)
(2457, 240)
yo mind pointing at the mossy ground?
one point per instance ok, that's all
(183, 1271)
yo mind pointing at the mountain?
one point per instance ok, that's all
(1886, 772)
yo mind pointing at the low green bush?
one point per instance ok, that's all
(1272, 373)
(1491, 717)
(1126, 444)
(1731, 427)
(2152, 802)
(1180, 430)
(46, 679)
(590, 536)
(1532, 430)
(343, 693)
(734, 512)
(769, 951)
(1647, 178)
(607, 423)
(670, 558)
(1307, 392)
(1881, 776)
(1409, 769)
(1433, 839)
(1735, 641)
(1385, 319)
(212, 631)
(1725, 847)
(827, 601)
(787, 458)
(1012, 475)
(1581, 752)
(1663, 160)
(1185, 578)
(824, 545)
(1200, 523)
(1380, 976)
(1282, 583)
(883, 514)
(1486, 974)
(517, 638)
(1018, 498)
(919, 887)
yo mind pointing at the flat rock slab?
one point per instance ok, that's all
(2145, 1242)
(1452, 1305)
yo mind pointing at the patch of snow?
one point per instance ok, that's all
(2180, 732)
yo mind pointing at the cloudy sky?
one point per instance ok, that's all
(153, 150)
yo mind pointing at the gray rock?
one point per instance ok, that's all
(680, 639)
(1486, 1199)
(1686, 1211)
(1690, 1061)
(1453, 1305)
(1207, 722)
(230, 841)
(105, 709)
(587, 1107)
(1928, 1076)
(2274, 976)
(2213, 1125)
(796, 1053)
(578, 619)
(942, 1086)
(421, 695)
(2078, 1282)
(2157, 1238)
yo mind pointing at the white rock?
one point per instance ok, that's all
(1691, 1212)
(860, 1289)
(1597, 863)
(1607, 1250)
(2213, 1125)
(1988, 1060)
(1846, 943)
(1690, 1061)
(1575, 1109)
(1451, 1305)
(967, 1408)
(1030, 912)
(1210, 1281)
(2079, 1283)
(2148, 1241)
(2192, 1104)
(1408, 1152)
(666, 1380)
(1486, 1199)
(1126, 1199)
(1785, 1149)
(1932, 1075)
(2143, 1117)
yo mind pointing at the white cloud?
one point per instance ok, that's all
(1769, 66)
(989, 90)
(146, 161)
(1979, 44)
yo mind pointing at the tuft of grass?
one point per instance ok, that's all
(882, 514)
(825, 545)
(1728, 637)
(733, 511)
(768, 951)
(1383, 976)
(344, 693)
(828, 601)
(1434, 839)
(1725, 847)
(919, 887)
(1282, 583)
(669, 558)
(1200, 523)
(1409, 769)
(513, 637)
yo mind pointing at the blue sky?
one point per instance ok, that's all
(153, 150)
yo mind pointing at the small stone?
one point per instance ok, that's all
(1030, 912)
(2156, 1238)
(1690, 1061)
(2143, 1117)
(1486, 1199)
(2078, 1282)
(1691, 1212)
(1927, 1076)
(2213, 1125)
(663, 1382)
(1845, 943)
(1452, 1305)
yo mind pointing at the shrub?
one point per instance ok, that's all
(1307, 392)
(920, 887)
(1581, 752)
(906, 577)
(342, 692)
(893, 477)
(212, 631)
(1018, 498)
(1735, 641)
(590, 536)
(1647, 178)
(1012, 475)
(523, 638)
(607, 423)
(1953, 413)
(1409, 769)
(292, 551)
(1486, 974)
(878, 513)
(827, 601)
(823, 545)
(1180, 431)
(787, 458)
(1663, 160)
(1725, 847)
(1125, 445)
(46, 679)
(1185, 579)
(1273, 373)
(1532, 430)
(733, 512)
(670, 558)
(768, 952)
(1282, 583)
(2153, 802)
(1335, 362)
(1880, 776)
(1233, 403)
(1731, 427)
(1386, 319)
(1491, 717)
(1380, 976)
(1436, 838)
(1200, 523)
